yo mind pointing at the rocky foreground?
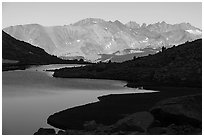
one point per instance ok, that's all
(173, 116)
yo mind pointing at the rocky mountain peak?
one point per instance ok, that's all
(89, 21)
(133, 25)
(144, 25)
(186, 26)
(118, 22)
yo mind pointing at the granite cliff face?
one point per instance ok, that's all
(92, 37)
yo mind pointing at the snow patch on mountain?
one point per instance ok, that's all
(195, 32)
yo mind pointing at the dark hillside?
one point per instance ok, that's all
(26, 54)
(23, 52)
(177, 66)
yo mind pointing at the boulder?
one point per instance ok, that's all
(134, 124)
(102, 129)
(157, 131)
(45, 131)
(79, 132)
(90, 125)
(182, 130)
(61, 132)
(139, 121)
(179, 110)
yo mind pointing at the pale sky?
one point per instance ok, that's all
(49, 14)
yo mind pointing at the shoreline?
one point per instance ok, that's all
(114, 107)
(21, 66)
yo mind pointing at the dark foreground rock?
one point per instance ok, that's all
(179, 110)
(136, 123)
(90, 125)
(139, 121)
(175, 130)
(178, 116)
(45, 131)
(173, 116)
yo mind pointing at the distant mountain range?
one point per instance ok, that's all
(98, 40)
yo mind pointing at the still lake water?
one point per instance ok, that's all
(30, 96)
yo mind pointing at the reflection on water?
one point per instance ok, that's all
(30, 96)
